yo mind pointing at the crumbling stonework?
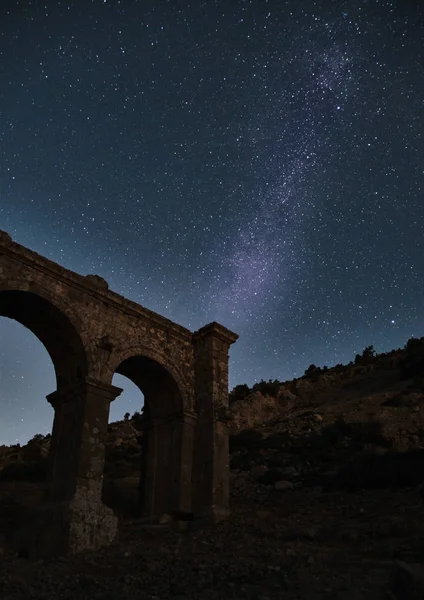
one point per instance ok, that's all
(91, 333)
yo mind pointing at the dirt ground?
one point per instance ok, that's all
(300, 544)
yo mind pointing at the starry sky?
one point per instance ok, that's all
(254, 162)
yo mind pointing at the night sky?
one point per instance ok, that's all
(258, 163)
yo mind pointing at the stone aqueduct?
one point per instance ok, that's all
(91, 333)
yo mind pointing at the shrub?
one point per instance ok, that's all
(138, 420)
(249, 438)
(30, 471)
(271, 476)
(312, 371)
(413, 344)
(243, 461)
(267, 388)
(358, 359)
(412, 363)
(339, 367)
(279, 440)
(392, 470)
(368, 354)
(334, 433)
(120, 469)
(239, 393)
(123, 500)
(360, 433)
(418, 384)
(369, 432)
(114, 453)
(396, 401)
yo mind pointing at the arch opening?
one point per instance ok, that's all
(141, 470)
(53, 328)
(44, 332)
(162, 397)
(26, 375)
(121, 476)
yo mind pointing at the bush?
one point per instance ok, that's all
(138, 420)
(412, 363)
(244, 461)
(279, 440)
(120, 469)
(114, 453)
(271, 476)
(369, 432)
(361, 433)
(239, 393)
(312, 371)
(249, 438)
(358, 359)
(396, 401)
(334, 433)
(372, 471)
(267, 388)
(413, 344)
(417, 384)
(30, 471)
(368, 354)
(340, 368)
(122, 500)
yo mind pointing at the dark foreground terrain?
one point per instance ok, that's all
(302, 544)
(325, 496)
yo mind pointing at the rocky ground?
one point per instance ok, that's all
(298, 544)
(325, 496)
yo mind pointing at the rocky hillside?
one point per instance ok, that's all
(325, 494)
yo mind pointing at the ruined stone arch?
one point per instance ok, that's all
(91, 332)
(121, 356)
(53, 322)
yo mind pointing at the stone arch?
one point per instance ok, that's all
(168, 430)
(121, 357)
(52, 321)
(85, 328)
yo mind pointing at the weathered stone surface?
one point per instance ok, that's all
(82, 523)
(97, 281)
(91, 333)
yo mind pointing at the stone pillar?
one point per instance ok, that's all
(73, 517)
(167, 456)
(183, 428)
(211, 454)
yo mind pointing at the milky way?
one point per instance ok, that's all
(258, 163)
(288, 141)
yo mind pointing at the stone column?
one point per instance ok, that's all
(73, 517)
(211, 453)
(183, 428)
(165, 482)
(148, 475)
